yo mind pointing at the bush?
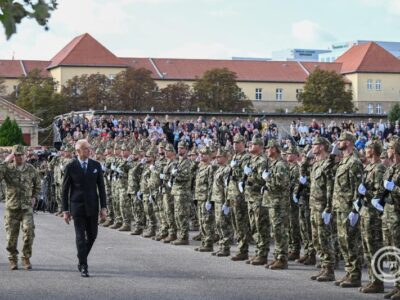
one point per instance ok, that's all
(10, 133)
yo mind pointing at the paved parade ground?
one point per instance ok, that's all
(130, 267)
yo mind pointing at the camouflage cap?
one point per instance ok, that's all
(238, 138)
(205, 151)
(18, 150)
(320, 140)
(109, 145)
(395, 144)
(69, 148)
(62, 148)
(193, 151)
(375, 145)
(136, 151)
(169, 148)
(182, 144)
(222, 152)
(124, 147)
(257, 141)
(162, 145)
(384, 155)
(306, 148)
(272, 143)
(99, 150)
(151, 153)
(117, 146)
(292, 150)
(347, 136)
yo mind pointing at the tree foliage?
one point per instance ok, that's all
(10, 133)
(175, 96)
(37, 95)
(217, 90)
(394, 113)
(13, 12)
(324, 91)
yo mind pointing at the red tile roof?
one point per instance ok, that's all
(141, 62)
(370, 58)
(312, 65)
(10, 68)
(29, 65)
(84, 50)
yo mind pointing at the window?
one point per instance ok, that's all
(370, 108)
(241, 94)
(258, 94)
(298, 92)
(111, 76)
(369, 84)
(378, 108)
(279, 94)
(378, 85)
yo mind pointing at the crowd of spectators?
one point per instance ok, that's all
(200, 132)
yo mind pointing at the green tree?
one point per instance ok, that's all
(37, 95)
(10, 133)
(13, 12)
(134, 89)
(324, 91)
(217, 90)
(175, 96)
(394, 113)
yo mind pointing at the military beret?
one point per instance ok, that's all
(347, 136)
(18, 150)
(257, 141)
(205, 151)
(238, 138)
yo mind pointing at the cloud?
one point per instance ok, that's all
(310, 32)
(200, 50)
(222, 13)
(392, 7)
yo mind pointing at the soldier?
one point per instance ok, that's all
(180, 182)
(23, 187)
(99, 156)
(205, 205)
(254, 170)
(56, 167)
(114, 186)
(222, 207)
(107, 183)
(276, 199)
(384, 159)
(240, 217)
(371, 222)
(194, 224)
(321, 189)
(292, 157)
(167, 197)
(391, 211)
(348, 178)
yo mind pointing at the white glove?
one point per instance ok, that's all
(303, 179)
(208, 206)
(233, 163)
(113, 167)
(362, 189)
(169, 184)
(295, 200)
(335, 149)
(265, 175)
(226, 182)
(162, 176)
(375, 203)
(226, 209)
(327, 217)
(151, 200)
(103, 167)
(143, 160)
(119, 171)
(152, 168)
(174, 171)
(389, 185)
(240, 186)
(353, 218)
(310, 154)
(139, 196)
(247, 170)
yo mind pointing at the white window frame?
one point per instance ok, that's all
(369, 84)
(378, 85)
(259, 94)
(279, 94)
(370, 108)
(298, 92)
(379, 108)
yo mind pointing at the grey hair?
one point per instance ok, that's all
(81, 142)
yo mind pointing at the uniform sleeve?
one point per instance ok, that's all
(35, 183)
(210, 179)
(281, 177)
(329, 170)
(183, 173)
(356, 173)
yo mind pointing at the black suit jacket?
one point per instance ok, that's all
(81, 192)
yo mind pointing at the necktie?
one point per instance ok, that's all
(84, 167)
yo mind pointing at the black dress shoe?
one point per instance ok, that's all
(84, 272)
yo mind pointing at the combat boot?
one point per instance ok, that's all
(159, 237)
(170, 238)
(216, 238)
(279, 264)
(250, 259)
(267, 265)
(240, 256)
(293, 256)
(137, 231)
(373, 288)
(205, 249)
(26, 263)
(259, 261)
(351, 282)
(197, 237)
(107, 223)
(396, 296)
(115, 226)
(12, 265)
(223, 253)
(149, 234)
(327, 275)
(344, 278)
(180, 242)
(125, 227)
(302, 259)
(391, 293)
(310, 261)
(315, 276)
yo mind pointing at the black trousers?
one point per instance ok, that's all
(85, 233)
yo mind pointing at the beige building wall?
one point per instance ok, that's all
(10, 83)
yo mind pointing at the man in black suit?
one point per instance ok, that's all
(83, 193)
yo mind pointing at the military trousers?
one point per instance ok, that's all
(207, 220)
(241, 225)
(260, 224)
(223, 227)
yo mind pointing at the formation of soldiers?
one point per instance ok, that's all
(337, 204)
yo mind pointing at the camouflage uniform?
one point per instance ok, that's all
(148, 198)
(348, 178)
(108, 188)
(194, 216)
(115, 160)
(23, 184)
(276, 198)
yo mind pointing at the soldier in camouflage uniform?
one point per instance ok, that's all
(292, 157)
(194, 216)
(371, 221)
(99, 156)
(240, 215)
(115, 160)
(348, 178)
(205, 205)
(222, 207)
(134, 178)
(254, 170)
(56, 167)
(167, 197)
(23, 187)
(180, 181)
(107, 183)
(276, 198)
